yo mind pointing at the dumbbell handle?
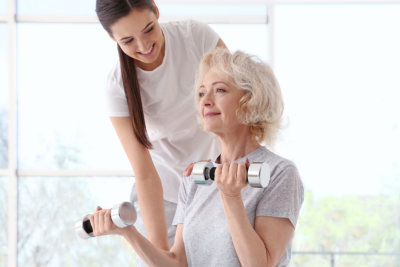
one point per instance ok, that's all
(257, 174)
(209, 173)
(122, 215)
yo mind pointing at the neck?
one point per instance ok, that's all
(236, 146)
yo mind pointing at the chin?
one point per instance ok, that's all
(211, 129)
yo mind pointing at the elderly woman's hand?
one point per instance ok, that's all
(230, 178)
(102, 224)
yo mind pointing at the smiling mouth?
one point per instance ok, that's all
(148, 52)
(211, 114)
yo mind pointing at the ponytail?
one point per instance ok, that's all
(133, 98)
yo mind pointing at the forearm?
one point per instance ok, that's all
(150, 254)
(151, 204)
(249, 246)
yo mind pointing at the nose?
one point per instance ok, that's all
(141, 45)
(208, 98)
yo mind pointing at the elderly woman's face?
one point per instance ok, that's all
(218, 103)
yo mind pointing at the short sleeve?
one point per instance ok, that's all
(180, 207)
(117, 105)
(204, 37)
(283, 197)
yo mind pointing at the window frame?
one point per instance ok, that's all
(11, 18)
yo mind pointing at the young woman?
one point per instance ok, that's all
(150, 95)
(229, 223)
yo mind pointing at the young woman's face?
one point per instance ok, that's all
(139, 35)
(218, 103)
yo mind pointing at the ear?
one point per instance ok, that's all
(156, 10)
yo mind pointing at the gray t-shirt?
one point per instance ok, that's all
(206, 234)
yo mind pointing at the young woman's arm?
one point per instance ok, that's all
(152, 255)
(262, 245)
(148, 183)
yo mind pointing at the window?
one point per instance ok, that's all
(3, 221)
(48, 210)
(63, 122)
(212, 11)
(3, 97)
(251, 38)
(3, 6)
(56, 8)
(3, 139)
(338, 67)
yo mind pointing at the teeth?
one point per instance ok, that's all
(148, 51)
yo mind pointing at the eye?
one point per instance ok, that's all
(220, 90)
(129, 41)
(149, 30)
(201, 94)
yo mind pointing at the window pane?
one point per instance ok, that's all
(63, 123)
(251, 38)
(3, 96)
(211, 10)
(3, 221)
(3, 6)
(87, 8)
(56, 7)
(47, 216)
(338, 67)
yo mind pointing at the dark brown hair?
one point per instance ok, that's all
(108, 12)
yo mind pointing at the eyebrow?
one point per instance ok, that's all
(127, 37)
(148, 24)
(214, 83)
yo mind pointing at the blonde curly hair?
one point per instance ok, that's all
(261, 107)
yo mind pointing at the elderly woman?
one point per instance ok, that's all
(229, 223)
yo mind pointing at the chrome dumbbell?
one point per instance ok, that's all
(122, 215)
(258, 173)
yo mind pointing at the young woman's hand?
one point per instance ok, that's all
(188, 171)
(102, 224)
(230, 178)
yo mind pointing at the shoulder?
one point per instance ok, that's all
(182, 24)
(114, 75)
(192, 38)
(186, 27)
(114, 85)
(178, 26)
(280, 167)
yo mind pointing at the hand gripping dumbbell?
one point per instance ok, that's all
(258, 173)
(122, 215)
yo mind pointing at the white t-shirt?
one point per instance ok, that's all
(168, 103)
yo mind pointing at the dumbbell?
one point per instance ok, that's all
(258, 173)
(122, 215)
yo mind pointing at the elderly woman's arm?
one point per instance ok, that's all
(148, 252)
(262, 245)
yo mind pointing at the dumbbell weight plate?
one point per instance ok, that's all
(199, 172)
(83, 228)
(258, 174)
(123, 214)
